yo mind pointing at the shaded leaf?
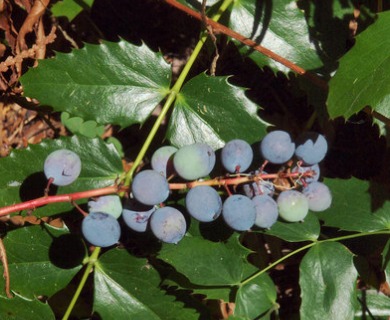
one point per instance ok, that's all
(211, 110)
(117, 83)
(279, 26)
(328, 283)
(42, 260)
(217, 263)
(128, 288)
(352, 207)
(101, 166)
(362, 78)
(307, 230)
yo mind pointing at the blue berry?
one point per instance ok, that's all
(204, 203)
(168, 224)
(239, 212)
(266, 211)
(136, 215)
(150, 188)
(277, 147)
(236, 156)
(63, 166)
(311, 148)
(318, 196)
(101, 229)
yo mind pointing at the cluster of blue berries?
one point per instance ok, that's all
(260, 203)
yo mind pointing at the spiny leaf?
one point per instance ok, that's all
(117, 83)
(309, 229)
(217, 264)
(128, 288)
(211, 110)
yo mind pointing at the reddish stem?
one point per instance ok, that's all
(39, 202)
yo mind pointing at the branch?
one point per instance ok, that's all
(39, 202)
(217, 27)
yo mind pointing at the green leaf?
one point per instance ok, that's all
(328, 283)
(279, 26)
(127, 287)
(70, 8)
(20, 308)
(376, 303)
(42, 260)
(101, 166)
(353, 207)
(307, 230)
(116, 83)
(208, 263)
(255, 297)
(88, 128)
(386, 261)
(211, 110)
(363, 78)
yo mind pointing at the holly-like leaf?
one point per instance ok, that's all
(353, 207)
(307, 230)
(70, 8)
(117, 83)
(128, 288)
(363, 78)
(208, 263)
(211, 110)
(41, 260)
(20, 308)
(22, 176)
(279, 26)
(255, 297)
(328, 283)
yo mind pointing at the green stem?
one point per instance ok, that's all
(173, 94)
(272, 265)
(91, 262)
